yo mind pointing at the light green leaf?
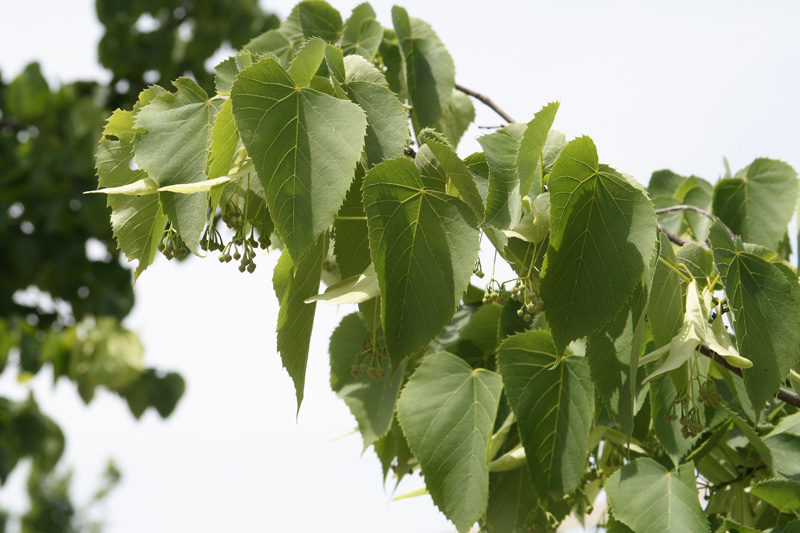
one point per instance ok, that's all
(647, 498)
(664, 183)
(283, 42)
(698, 196)
(758, 202)
(224, 142)
(456, 117)
(430, 72)
(785, 450)
(423, 245)
(137, 221)
(665, 307)
(554, 406)
(294, 282)
(352, 290)
(447, 412)
(304, 144)
(173, 149)
(430, 169)
(459, 173)
(783, 494)
(362, 33)
(387, 123)
(765, 304)
(699, 261)
(307, 61)
(200, 186)
(602, 235)
(140, 187)
(227, 70)
(503, 202)
(529, 158)
(662, 397)
(371, 401)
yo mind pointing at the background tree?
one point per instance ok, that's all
(64, 290)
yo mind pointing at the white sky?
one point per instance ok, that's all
(656, 85)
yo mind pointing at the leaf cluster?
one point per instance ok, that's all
(638, 348)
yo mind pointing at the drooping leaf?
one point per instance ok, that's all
(459, 173)
(758, 202)
(371, 401)
(554, 409)
(295, 282)
(423, 244)
(173, 149)
(430, 72)
(387, 123)
(137, 221)
(362, 33)
(224, 142)
(456, 117)
(511, 498)
(393, 453)
(662, 397)
(647, 497)
(613, 355)
(765, 304)
(532, 144)
(304, 144)
(503, 202)
(453, 455)
(665, 306)
(603, 234)
(352, 240)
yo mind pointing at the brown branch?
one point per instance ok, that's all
(696, 210)
(677, 239)
(487, 102)
(784, 395)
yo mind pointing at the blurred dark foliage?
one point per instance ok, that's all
(64, 289)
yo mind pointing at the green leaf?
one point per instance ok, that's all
(394, 454)
(783, 494)
(387, 123)
(613, 355)
(662, 397)
(294, 283)
(603, 234)
(173, 150)
(307, 61)
(758, 202)
(319, 19)
(785, 449)
(765, 304)
(511, 498)
(304, 144)
(137, 221)
(459, 173)
(456, 117)
(529, 158)
(362, 33)
(553, 400)
(699, 261)
(423, 245)
(698, 196)
(647, 498)
(664, 183)
(430, 169)
(447, 412)
(352, 240)
(371, 401)
(665, 306)
(503, 202)
(430, 72)
(283, 42)
(224, 142)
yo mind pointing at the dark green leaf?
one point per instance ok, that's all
(362, 33)
(554, 406)
(456, 117)
(459, 173)
(423, 245)
(758, 202)
(304, 144)
(765, 304)
(784, 494)
(665, 306)
(294, 283)
(602, 236)
(319, 19)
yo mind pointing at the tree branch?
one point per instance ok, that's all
(677, 239)
(784, 395)
(487, 102)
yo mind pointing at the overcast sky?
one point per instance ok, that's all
(675, 85)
